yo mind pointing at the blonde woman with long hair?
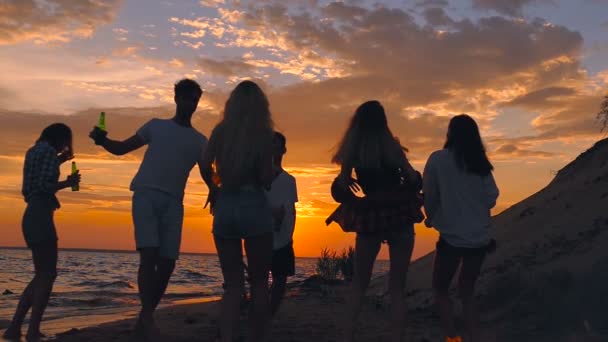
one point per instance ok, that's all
(385, 176)
(238, 167)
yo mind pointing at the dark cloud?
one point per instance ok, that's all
(508, 7)
(389, 44)
(541, 99)
(432, 3)
(513, 151)
(391, 57)
(340, 10)
(387, 55)
(53, 20)
(436, 16)
(576, 117)
(225, 68)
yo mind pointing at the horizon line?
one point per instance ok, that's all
(125, 251)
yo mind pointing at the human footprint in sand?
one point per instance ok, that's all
(174, 147)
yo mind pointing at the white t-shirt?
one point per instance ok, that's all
(283, 192)
(457, 202)
(172, 152)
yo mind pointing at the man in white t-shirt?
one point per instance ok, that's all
(174, 147)
(282, 198)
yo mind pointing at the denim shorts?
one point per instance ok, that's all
(242, 213)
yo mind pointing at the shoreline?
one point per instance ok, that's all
(54, 328)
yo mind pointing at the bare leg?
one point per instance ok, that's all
(45, 261)
(230, 254)
(42, 292)
(471, 266)
(164, 270)
(366, 250)
(13, 332)
(400, 253)
(147, 279)
(443, 271)
(277, 292)
(259, 258)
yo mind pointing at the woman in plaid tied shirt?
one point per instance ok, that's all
(382, 173)
(40, 183)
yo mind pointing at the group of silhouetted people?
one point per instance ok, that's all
(252, 199)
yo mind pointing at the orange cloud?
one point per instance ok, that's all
(53, 20)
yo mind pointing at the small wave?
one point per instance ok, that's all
(195, 274)
(83, 302)
(118, 284)
(187, 295)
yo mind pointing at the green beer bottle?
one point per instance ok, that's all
(75, 171)
(102, 121)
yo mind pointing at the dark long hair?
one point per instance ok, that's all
(58, 135)
(465, 142)
(245, 132)
(368, 141)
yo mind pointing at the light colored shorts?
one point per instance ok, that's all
(158, 219)
(241, 214)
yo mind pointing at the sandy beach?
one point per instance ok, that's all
(548, 286)
(314, 315)
(307, 315)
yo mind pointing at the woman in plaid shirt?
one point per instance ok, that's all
(378, 160)
(40, 183)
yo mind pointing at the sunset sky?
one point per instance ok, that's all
(532, 72)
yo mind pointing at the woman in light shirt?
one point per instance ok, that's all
(459, 192)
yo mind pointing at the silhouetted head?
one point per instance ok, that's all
(245, 132)
(58, 135)
(368, 141)
(279, 147)
(464, 140)
(187, 95)
(247, 102)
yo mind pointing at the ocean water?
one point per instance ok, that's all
(92, 283)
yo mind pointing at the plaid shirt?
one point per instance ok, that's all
(40, 171)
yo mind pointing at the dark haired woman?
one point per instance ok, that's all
(238, 168)
(378, 160)
(40, 183)
(459, 191)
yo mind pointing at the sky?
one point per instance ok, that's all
(531, 72)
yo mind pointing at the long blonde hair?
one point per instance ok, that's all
(368, 141)
(244, 134)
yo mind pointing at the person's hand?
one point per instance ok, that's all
(66, 155)
(73, 179)
(211, 199)
(98, 135)
(278, 214)
(350, 183)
